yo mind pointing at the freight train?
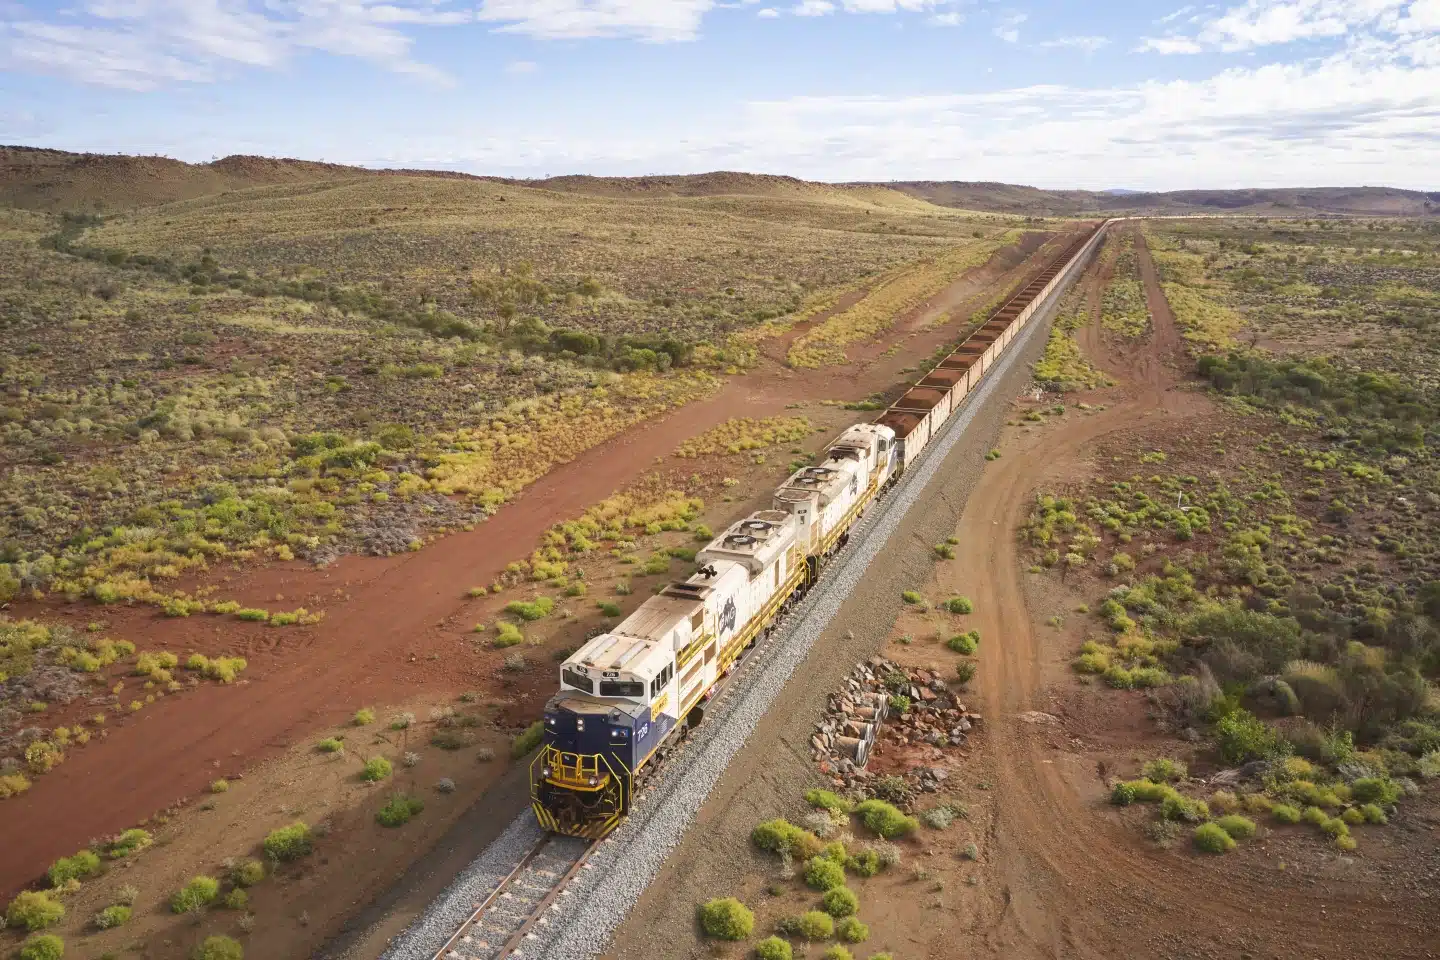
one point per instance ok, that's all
(625, 694)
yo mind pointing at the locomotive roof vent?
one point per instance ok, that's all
(759, 526)
(739, 540)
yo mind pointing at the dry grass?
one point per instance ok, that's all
(735, 436)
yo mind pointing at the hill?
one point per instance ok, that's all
(1006, 198)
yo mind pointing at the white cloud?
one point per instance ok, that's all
(1176, 15)
(141, 44)
(1008, 28)
(657, 21)
(520, 67)
(947, 19)
(1263, 23)
(1087, 44)
(768, 13)
(813, 8)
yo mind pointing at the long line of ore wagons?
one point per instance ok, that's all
(624, 694)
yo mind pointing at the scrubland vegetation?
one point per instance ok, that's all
(1123, 307)
(1276, 582)
(1064, 368)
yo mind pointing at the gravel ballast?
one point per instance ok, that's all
(600, 897)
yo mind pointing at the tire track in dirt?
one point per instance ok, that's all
(1069, 883)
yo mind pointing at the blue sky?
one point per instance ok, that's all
(1057, 93)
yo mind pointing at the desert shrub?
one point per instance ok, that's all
(1373, 814)
(12, 785)
(811, 925)
(840, 901)
(34, 911)
(330, 745)
(1346, 842)
(1179, 807)
(1224, 801)
(835, 851)
(912, 597)
(1314, 816)
(536, 609)
(851, 930)
(866, 863)
(376, 769)
(112, 916)
(822, 873)
(1375, 790)
(965, 671)
(726, 919)
(782, 837)
(79, 867)
(828, 800)
(608, 608)
(196, 895)
(837, 952)
(237, 899)
(220, 786)
(1211, 838)
(398, 811)
(529, 740)
(247, 873)
(508, 635)
(1335, 827)
(1353, 816)
(288, 843)
(253, 614)
(938, 818)
(45, 946)
(1164, 770)
(959, 605)
(965, 643)
(1244, 737)
(364, 717)
(773, 948)
(219, 948)
(131, 841)
(885, 820)
(1238, 827)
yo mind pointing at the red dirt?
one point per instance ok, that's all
(394, 625)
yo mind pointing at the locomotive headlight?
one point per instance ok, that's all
(546, 773)
(579, 723)
(594, 781)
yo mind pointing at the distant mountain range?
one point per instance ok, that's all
(41, 179)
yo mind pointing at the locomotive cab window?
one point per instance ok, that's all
(697, 620)
(622, 688)
(578, 680)
(657, 686)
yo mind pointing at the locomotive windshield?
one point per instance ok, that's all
(578, 680)
(622, 688)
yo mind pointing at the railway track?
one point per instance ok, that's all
(504, 920)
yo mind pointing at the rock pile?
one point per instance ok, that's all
(883, 702)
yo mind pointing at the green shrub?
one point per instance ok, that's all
(364, 717)
(781, 836)
(965, 671)
(1375, 790)
(1164, 770)
(330, 745)
(837, 952)
(219, 948)
(1211, 838)
(1314, 816)
(131, 841)
(1335, 827)
(1179, 807)
(247, 873)
(835, 850)
(726, 919)
(966, 643)
(1240, 828)
(866, 863)
(527, 741)
(237, 899)
(840, 901)
(822, 873)
(252, 614)
(773, 948)
(376, 769)
(79, 867)
(828, 800)
(112, 916)
(220, 786)
(507, 635)
(913, 597)
(34, 911)
(398, 811)
(851, 930)
(288, 843)
(1244, 737)
(1373, 814)
(536, 609)
(959, 605)
(608, 608)
(811, 925)
(885, 820)
(1285, 813)
(196, 895)
(45, 946)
